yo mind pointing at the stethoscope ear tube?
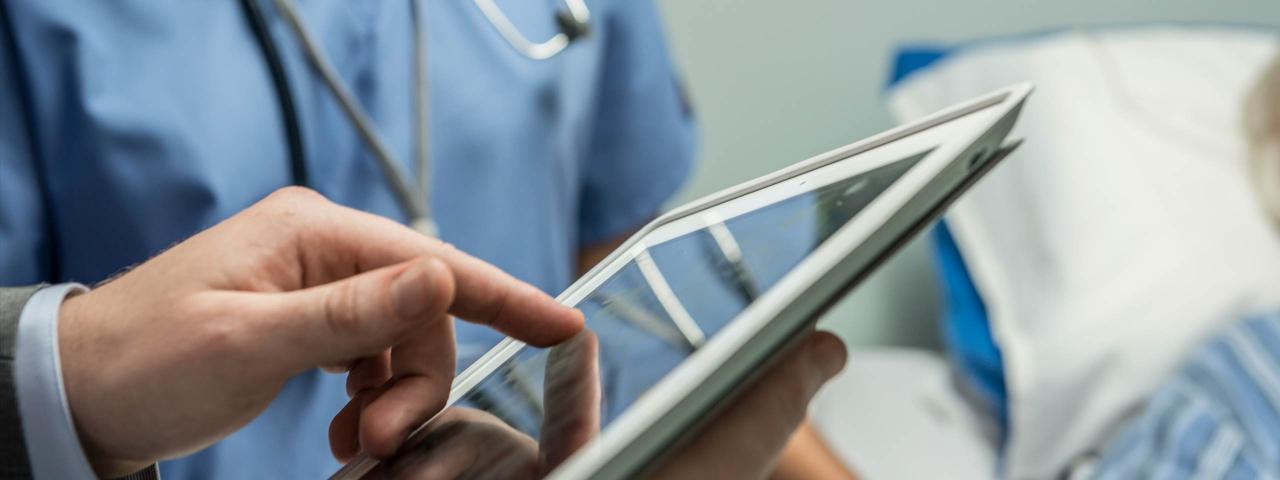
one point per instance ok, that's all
(573, 23)
(411, 200)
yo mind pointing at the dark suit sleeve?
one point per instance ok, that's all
(13, 448)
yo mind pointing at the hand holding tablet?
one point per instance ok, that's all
(743, 442)
(708, 297)
(191, 345)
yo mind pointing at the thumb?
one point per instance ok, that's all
(357, 316)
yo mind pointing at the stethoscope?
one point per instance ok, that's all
(573, 23)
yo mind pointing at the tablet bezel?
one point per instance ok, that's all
(642, 432)
(629, 444)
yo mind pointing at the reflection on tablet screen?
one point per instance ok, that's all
(664, 304)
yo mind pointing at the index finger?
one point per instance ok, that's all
(341, 239)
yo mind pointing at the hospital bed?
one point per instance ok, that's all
(1078, 275)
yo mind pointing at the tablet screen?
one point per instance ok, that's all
(648, 316)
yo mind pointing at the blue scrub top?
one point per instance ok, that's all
(126, 126)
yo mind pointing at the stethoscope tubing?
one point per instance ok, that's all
(415, 202)
(284, 91)
(411, 200)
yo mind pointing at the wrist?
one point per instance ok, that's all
(71, 318)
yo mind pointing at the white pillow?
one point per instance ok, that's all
(1121, 233)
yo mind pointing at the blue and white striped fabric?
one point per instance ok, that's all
(1218, 417)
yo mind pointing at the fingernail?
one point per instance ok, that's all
(410, 291)
(829, 351)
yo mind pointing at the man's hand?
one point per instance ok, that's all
(467, 443)
(195, 343)
(744, 441)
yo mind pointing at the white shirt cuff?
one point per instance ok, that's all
(52, 444)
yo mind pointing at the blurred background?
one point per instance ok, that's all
(1138, 220)
(777, 82)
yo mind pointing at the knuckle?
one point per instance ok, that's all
(221, 331)
(221, 337)
(496, 307)
(295, 194)
(443, 291)
(292, 201)
(340, 313)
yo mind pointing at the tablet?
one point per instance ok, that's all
(699, 301)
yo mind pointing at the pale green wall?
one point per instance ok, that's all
(775, 81)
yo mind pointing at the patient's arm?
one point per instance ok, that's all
(808, 457)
